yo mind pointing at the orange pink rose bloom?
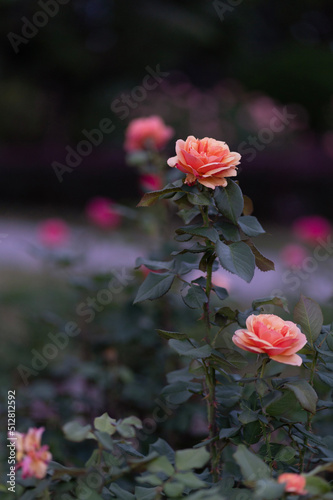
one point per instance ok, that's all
(269, 334)
(147, 133)
(294, 483)
(205, 160)
(31, 456)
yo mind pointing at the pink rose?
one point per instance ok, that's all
(53, 232)
(150, 182)
(311, 228)
(205, 160)
(31, 456)
(293, 255)
(294, 483)
(100, 212)
(147, 133)
(267, 333)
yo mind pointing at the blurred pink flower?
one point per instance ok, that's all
(53, 232)
(311, 228)
(100, 212)
(31, 456)
(261, 110)
(147, 133)
(150, 182)
(293, 255)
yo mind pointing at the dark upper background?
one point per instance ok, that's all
(66, 77)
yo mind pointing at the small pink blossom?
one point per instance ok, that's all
(101, 212)
(147, 133)
(312, 228)
(294, 483)
(31, 456)
(53, 233)
(150, 182)
(293, 255)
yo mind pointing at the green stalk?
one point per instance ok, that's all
(309, 416)
(210, 370)
(263, 426)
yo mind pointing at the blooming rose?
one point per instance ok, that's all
(205, 160)
(311, 228)
(294, 483)
(147, 133)
(100, 211)
(31, 456)
(267, 333)
(53, 232)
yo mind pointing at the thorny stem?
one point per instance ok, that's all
(210, 370)
(263, 425)
(310, 415)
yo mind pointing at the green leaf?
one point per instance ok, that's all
(286, 454)
(197, 230)
(248, 416)
(252, 467)
(262, 262)
(191, 459)
(135, 421)
(195, 297)
(222, 293)
(229, 231)
(229, 201)
(236, 258)
(308, 315)
(184, 348)
(105, 423)
(190, 480)
(152, 479)
(121, 494)
(273, 300)
(305, 394)
(326, 377)
(76, 432)
(250, 225)
(173, 489)
(154, 286)
(198, 199)
(228, 433)
(172, 335)
(151, 198)
(316, 485)
(161, 464)
(154, 265)
(268, 489)
(287, 407)
(177, 393)
(145, 493)
(105, 440)
(329, 341)
(127, 426)
(188, 214)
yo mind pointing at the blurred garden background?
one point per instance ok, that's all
(255, 74)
